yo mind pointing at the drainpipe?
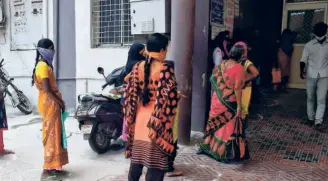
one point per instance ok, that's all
(45, 19)
(56, 35)
(182, 31)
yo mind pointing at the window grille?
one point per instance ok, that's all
(302, 22)
(111, 23)
(300, 1)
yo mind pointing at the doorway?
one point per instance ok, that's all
(301, 17)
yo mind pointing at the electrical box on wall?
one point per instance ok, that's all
(149, 16)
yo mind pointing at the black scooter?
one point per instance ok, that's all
(100, 116)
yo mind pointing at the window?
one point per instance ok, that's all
(111, 23)
(299, 1)
(302, 22)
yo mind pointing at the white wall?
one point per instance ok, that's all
(20, 64)
(87, 58)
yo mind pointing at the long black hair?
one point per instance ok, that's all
(237, 53)
(134, 56)
(155, 43)
(43, 43)
(218, 42)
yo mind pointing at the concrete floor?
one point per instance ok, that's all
(281, 149)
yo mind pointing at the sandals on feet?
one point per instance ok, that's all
(175, 173)
(48, 176)
(6, 152)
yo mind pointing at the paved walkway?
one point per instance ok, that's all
(281, 148)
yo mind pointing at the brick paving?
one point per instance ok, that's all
(281, 148)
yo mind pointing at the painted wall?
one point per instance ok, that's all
(87, 58)
(20, 64)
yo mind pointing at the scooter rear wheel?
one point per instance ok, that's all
(99, 143)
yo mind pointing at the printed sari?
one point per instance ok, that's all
(223, 138)
(3, 121)
(246, 92)
(55, 156)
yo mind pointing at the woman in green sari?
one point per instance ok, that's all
(224, 139)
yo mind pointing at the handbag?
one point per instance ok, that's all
(276, 75)
(63, 117)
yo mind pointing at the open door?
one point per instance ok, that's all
(301, 17)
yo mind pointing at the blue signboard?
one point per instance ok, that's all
(217, 11)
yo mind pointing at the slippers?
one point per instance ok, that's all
(175, 173)
(58, 172)
(6, 152)
(51, 178)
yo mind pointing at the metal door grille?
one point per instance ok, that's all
(299, 1)
(302, 22)
(111, 23)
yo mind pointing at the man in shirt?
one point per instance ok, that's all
(314, 68)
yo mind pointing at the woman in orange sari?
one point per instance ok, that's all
(150, 103)
(224, 139)
(50, 105)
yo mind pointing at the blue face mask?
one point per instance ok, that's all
(46, 54)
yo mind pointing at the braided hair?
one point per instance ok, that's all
(43, 43)
(155, 43)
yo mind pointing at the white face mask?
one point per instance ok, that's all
(320, 38)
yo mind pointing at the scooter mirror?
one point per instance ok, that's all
(100, 70)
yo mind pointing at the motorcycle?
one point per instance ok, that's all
(16, 96)
(100, 116)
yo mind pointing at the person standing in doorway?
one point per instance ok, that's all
(314, 68)
(285, 51)
(150, 104)
(50, 105)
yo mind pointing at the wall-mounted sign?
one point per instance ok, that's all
(26, 22)
(229, 15)
(217, 12)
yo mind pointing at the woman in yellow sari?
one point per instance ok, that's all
(50, 104)
(251, 74)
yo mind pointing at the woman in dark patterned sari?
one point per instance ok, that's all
(3, 125)
(224, 139)
(150, 104)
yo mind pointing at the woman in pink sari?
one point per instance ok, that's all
(224, 139)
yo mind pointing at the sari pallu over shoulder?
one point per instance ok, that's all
(223, 138)
(223, 92)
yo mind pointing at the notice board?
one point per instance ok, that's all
(26, 24)
(217, 12)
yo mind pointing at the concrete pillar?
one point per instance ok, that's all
(200, 72)
(182, 32)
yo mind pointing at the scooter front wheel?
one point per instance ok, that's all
(99, 143)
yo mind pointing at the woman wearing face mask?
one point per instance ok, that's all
(223, 137)
(50, 104)
(150, 103)
(222, 47)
